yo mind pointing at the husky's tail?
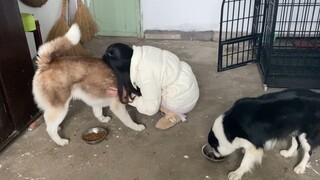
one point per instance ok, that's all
(57, 47)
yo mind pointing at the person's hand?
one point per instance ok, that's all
(112, 91)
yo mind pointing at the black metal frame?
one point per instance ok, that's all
(240, 37)
(284, 39)
(291, 48)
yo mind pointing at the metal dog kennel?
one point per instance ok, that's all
(283, 36)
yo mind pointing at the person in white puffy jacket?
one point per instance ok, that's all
(152, 79)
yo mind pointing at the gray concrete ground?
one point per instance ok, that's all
(152, 154)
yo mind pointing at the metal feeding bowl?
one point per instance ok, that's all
(94, 135)
(207, 151)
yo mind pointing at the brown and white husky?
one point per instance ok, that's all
(59, 78)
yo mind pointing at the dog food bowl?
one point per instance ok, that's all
(94, 135)
(207, 151)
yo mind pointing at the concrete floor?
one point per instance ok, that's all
(152, 154)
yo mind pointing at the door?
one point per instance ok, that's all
(6, 126)
(17, 108)
(116, 17)
(241, 33)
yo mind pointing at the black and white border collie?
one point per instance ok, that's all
(255, 124)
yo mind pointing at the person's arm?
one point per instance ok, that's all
(149, 102)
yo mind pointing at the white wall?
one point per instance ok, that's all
(47, 16)
(183, 15)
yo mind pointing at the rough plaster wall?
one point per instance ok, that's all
(182, 15)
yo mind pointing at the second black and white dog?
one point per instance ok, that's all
(255, 124)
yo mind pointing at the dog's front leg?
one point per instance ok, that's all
(97, 111)
(252, 155)
(121, 112)
(292, 151)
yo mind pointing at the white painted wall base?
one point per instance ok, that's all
(182, 35)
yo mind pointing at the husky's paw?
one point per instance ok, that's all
(299, 169)
(104, 119)
(138, 127)
(234, 175)
(62, 142)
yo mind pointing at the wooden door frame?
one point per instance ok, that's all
(16, 72)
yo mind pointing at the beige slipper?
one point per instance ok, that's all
(168, 121)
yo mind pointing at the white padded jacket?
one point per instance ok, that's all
(163, 80)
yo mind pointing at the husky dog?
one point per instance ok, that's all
(60, 78)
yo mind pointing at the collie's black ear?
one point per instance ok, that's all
(212, 139)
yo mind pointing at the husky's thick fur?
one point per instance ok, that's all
(59, 78)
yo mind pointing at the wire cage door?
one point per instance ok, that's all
(282, 35)
(241, 32)
(291, 44)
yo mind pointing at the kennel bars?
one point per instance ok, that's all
(283, 36)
